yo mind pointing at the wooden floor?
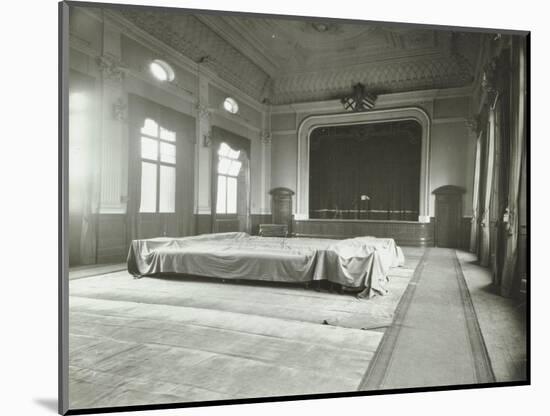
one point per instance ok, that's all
(435, 338)
(502, 321)
(150, 340)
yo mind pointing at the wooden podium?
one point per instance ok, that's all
(281, 213)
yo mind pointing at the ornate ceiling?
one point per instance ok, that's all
(286, 60)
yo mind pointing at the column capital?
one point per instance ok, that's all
(111, 68)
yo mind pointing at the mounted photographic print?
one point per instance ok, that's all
(265, 208)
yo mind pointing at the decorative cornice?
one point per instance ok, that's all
(488, 81)
(189, 36)
(420, 74)
(203, 111)
(235, 118)
(383, 101)
(473, 125)
(111, 68)
(431, 66)
(144, 38)
(265, 137)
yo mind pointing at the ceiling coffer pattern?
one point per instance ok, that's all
(285, 61)
(378, 79)
(189, 36)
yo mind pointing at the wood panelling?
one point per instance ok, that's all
(465, 230)
(256, 220)
(203, 223)
(405, 233)
(365, 215)
(111, 245)
(523, 261)
(226, 224)
(274, 230)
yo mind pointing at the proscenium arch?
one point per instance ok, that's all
(312, 122)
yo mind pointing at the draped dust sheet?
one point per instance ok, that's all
(360, 263)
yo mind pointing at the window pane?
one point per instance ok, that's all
(167, 135)
(167, 194)
(149, 148)
(231, 195)
(224, 149)
(234, 168)
(234, 154)
(148, 187)
(150, 128)
(220, 204)
(223, 165)
(167, 152)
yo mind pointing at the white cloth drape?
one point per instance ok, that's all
(517, 147)
(475, 197)
(484, 251)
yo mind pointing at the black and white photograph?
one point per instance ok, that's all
(274, 207)
(240, 208)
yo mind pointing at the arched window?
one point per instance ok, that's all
(158, 168)
(229, 167)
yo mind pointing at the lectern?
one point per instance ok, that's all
(281, 213)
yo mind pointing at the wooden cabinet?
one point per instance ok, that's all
(281, 206)
(448, 216)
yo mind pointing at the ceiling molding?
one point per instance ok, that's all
(242, 43)
(385, 100)
(150, 42)
(440, 72)
(188, 35)
(237, 52)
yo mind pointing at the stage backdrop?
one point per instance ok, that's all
(367, 171)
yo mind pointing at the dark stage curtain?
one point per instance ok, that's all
(140, 109)
(380, 161)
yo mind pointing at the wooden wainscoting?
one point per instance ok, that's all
(405, 233)
(226, 223)
(203, 223)
(465, 230)
(111, 243)
(523, 262)
(256, 220)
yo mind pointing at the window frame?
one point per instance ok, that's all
(158, 163)
(225, 177)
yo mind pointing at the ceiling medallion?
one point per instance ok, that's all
(320, 27)
(360, 100)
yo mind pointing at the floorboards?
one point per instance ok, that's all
(502, 321)
(152, 340)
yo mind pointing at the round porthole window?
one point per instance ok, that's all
(230, 105)
(162, 71)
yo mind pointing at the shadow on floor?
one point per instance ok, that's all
(49, 404)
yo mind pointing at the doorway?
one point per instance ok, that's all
(448, 216)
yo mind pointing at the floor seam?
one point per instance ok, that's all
(480, 355)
